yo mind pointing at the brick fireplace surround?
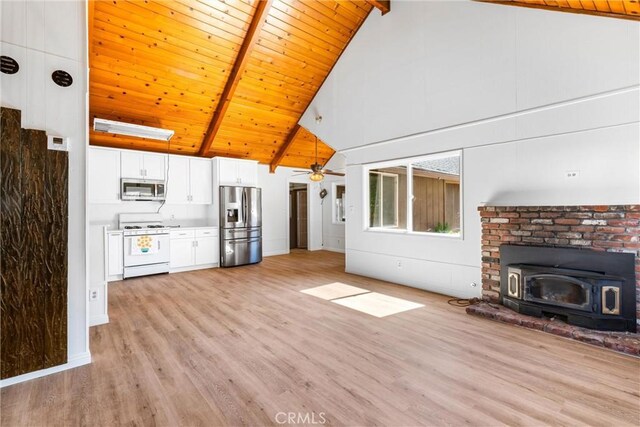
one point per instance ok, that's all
(598, 228)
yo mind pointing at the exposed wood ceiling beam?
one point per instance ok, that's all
(262, 9)
(562, 9)
(284, 148)
(383, 5)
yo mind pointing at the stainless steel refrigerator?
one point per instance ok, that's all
(240, 226)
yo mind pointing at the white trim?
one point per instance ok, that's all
(497, 118)
(327, 248)
(276, 253)
(100, 319)
(73, 362)
(193, 267)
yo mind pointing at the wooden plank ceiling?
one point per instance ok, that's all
(172, 64)
(625, 9)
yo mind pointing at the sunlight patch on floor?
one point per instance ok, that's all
(334, 290)
(363, 300)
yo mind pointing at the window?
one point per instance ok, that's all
(339, 197)
(435, 188)
(388, 197)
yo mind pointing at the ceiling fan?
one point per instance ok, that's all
(316, 172)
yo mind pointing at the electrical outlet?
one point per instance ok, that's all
(571, 174)
(93, 295)
(399, 264)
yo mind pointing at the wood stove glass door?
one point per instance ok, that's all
(558, 290)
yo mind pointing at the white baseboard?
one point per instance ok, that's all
(73, 362)
(100, 319)
(275, 253)
(326, 248)
(193, 267)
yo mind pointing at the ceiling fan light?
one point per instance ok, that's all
(316, 176)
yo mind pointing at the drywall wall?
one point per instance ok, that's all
(44, 36)
(275, 212)
(513, 90)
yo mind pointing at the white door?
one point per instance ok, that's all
(181, 253)
(153, 166)
(201, 181)
(104, 176)
(228, 171)
(206, 250)
(178, 180)
(247, 174)
(131, 164)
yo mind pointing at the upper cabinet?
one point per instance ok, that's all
(200, 181)
(104, 175)
(236, 172)
(139, 165)
(190, 181)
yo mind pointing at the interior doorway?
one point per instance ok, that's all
(298, 216)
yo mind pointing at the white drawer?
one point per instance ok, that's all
(182, 234)
(206, 232)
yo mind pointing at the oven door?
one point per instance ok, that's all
(146, 249)
(559, 290)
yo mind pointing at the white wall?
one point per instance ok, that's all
(275, 212)
(527, 94)
(44, 36)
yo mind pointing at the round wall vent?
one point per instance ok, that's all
(62, 78)
(8, 65)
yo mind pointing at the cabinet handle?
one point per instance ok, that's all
(196, 243)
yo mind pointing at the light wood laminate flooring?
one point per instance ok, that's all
(239, 346)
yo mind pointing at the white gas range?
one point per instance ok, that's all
(146, 244)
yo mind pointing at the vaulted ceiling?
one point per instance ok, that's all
(625, 9)
(230, 77)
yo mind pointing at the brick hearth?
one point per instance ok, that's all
(596, 228)
(623, 342)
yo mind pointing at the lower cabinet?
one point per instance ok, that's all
(193, 248)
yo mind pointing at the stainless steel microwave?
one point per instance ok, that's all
(142, 189)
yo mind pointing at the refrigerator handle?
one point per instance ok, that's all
(244, 205)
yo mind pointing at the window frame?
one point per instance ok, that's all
(396, 214)
(408, 162)
(334, 194)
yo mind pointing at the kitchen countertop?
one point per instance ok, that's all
(171, 228)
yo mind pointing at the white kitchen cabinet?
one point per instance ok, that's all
(181, 253)
(154, 166)
(114, 253)
(104, 175)
(247, 173)
(227, 171)
(178, 191)
(193, 248)
(190, 181)
(236, 172)
(207, 249)
(200, 181)
(139, 165)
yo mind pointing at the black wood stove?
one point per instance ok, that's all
(586, 288)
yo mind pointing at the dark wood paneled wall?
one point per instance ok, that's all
(33, 256)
